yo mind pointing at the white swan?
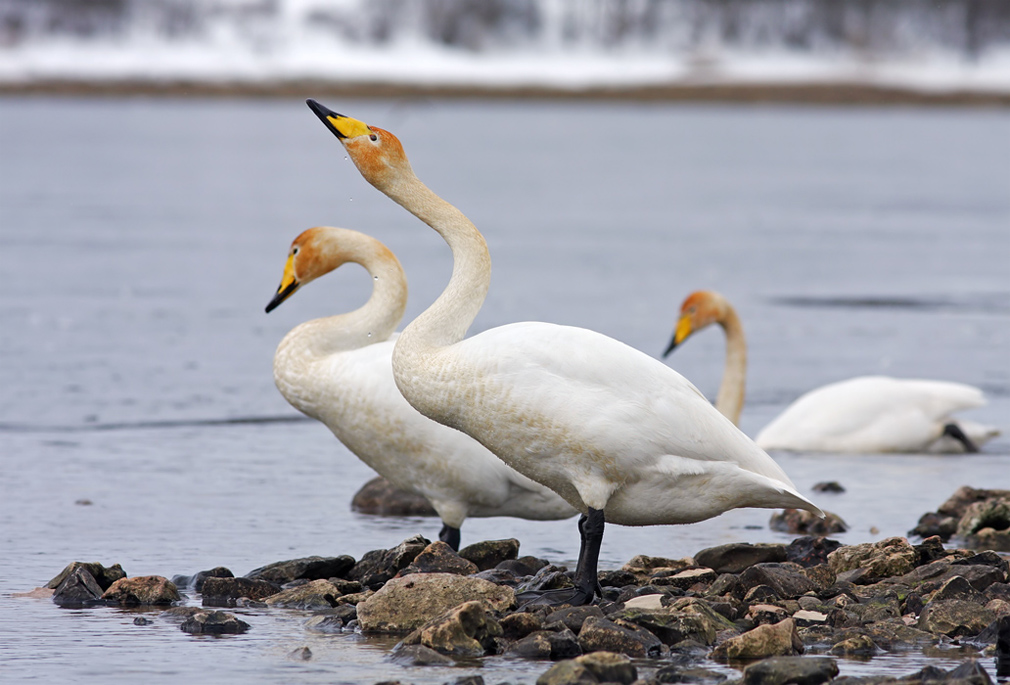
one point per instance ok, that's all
(337, 370)
(619, 435)
(871, 414)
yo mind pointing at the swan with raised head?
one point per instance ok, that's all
(623, 438)
(867, 414)
(337, 370)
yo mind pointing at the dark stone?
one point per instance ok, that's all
(546, 644)
(419, 655)
(568, 672)
(609, 667)
(142, 621)
(520, 624)
(786, 579)
(760, 593)
(195, 582)
(803, 522)
(574, 617)
(791, 669)
(998, 591)
(223, 592)
(738, 556)
(439, 557)
(325, 624)
(985, 558)
(105, 577)
(180, 614)
(469, 680)
(955, 618)
(623, 637)
(936, 525)
(727, 584)
(618, 578)
(523, 566)
(958, 588)
(309, 568)
(859, 645)
(489, 553)
(379, 497)
(809, 551)
(498, 576)
(78, 589)
(828, 486)
(633, 591)
(142, 591)
(687, 674)
(213, 623)
(380, 565)
(549, 577)
(930, 550)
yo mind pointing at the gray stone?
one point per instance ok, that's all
(141, 591)
(549, 577)
(568, 672)
(300, 654)
(103, 576)
(404, 604)
(739, 556)
(489, 553)
(609, 667)
(316, 594)
(803, 522)
(624, 637)
(955, 618)
(213, 623)
(438, 557)
(791, 669)
(764, 641)
(467, 630)
(520, 624)
(883, 559)
(859, 645)
(809, 551)
(325, 624)
(957, 587)
(419, 655)
(222, 592)
(686, 618)
(523, 566)
(311, 568)
(546, 644)
(379, 497)
(378, 566)
(786, 579)
(77, 589)
(574, 617)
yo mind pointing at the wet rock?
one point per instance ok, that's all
(419, 655)
(77, 589)
(213, 623)
(103, 576)
(954, 618)
(859, 645)
(520, 624)
(438, 557)
(738, 556)
(379, 497)
(404, 604)
(523, 566)
(142, 621)
(803, 522)
(787, 580)
(883, 559)
(546, 644)
(609, 667)
(687, 618)
(196, 581)
(180, 614)
(325, 624)
(464, 630)
(574, 617)
(378, 566)
(894, 635)
(223, 591)
(317, 594)
(300, 654)
(958, 588)
(828, 486)
(568, 672)
(549, 577)
(779, 639)
(142, 590)
(809, 551)
(311, 568)
(498, 576)
(678, 673)
(624, 637)
(489, 553)
(791, 669)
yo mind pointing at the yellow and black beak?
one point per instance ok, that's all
(289, 284)
(341, 126)
(684, 329)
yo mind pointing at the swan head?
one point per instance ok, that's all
(699, 310)
(314, 253)
(377, 153)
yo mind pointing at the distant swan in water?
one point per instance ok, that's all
(619, 435)
(338, 371)
(870, 414)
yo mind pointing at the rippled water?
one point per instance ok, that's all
(140, 241)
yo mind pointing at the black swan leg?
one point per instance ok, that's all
(586, 579)
(449, 536)
(954, 431)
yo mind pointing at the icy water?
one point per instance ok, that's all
(140, 241)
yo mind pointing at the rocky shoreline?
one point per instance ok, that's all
(828, 93)
(781, 613)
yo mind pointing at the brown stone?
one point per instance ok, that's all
(379, 497)
(780, 639)
(142, 590)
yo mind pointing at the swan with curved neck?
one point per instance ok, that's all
(866, 414)
(620, 436)
(337, 370)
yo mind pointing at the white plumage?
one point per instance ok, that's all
(616, 433)
(337, 370)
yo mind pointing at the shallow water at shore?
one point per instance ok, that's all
(141, 240)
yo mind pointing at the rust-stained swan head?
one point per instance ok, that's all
(377, 153)
(700, 309)
(317, 252)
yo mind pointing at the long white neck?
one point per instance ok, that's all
(729, 401)
(446, 321)
(373, 322)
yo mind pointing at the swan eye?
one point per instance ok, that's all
(373, 137)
